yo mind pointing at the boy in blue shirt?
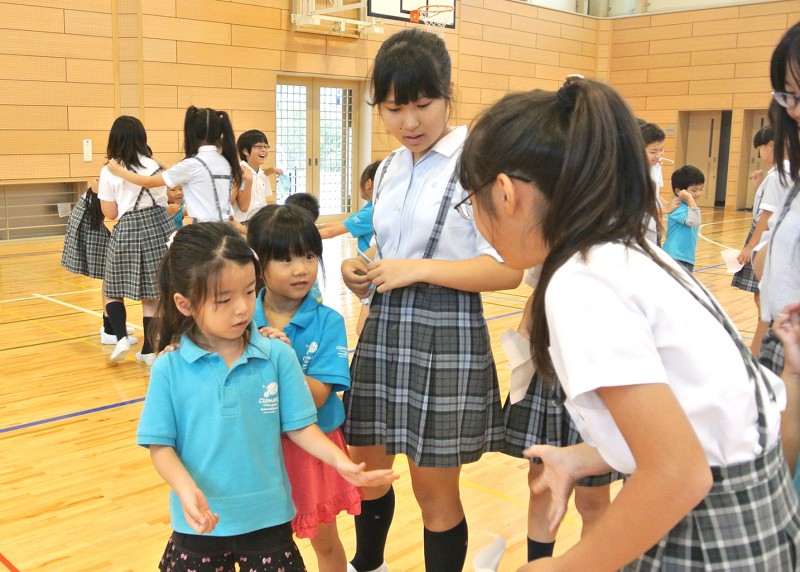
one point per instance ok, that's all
(683, 224)
(358, 224)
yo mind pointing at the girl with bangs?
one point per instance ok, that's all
(289, 247)
(424, 382)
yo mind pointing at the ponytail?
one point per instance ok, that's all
(210, 127)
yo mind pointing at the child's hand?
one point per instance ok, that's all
(115, 168)
(673, 204)
(685, 195)
(757, 176)
(173, 208)
(354, 274)
(745, 255)
(269, 332)
(169, 348)
(556, 477)
(356, 475)
(196, 511)
(787, 329)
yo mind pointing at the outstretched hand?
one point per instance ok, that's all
(557, 477)
(356, 475)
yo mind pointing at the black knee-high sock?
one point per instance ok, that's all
(107, 327)
(372, 527)
(538, 550)
(117, 315)
(147, 347)
(446, 551)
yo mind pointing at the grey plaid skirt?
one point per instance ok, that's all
(84, 247)
(745, 278)
(137, 246)
(771, 353)
(748, 521)
(541, 419)
(424, 382)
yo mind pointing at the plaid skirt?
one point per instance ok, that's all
(84, 247)
(541, 419)
(748, 521)
(771, 353)
(745, 278)
(424, 382)
(137, 246)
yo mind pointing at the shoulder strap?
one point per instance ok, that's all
(213, 178)
(146, 190)
(444, 209)
(378, 183)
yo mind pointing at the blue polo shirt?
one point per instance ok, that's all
(319, 339)
(225, 425)
(681, 242)
(360, 225)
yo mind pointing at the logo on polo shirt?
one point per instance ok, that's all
(269, 399)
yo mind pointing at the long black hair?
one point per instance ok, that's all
(583, 150)
(786, 60)
(127, 140)
(191, 267)
(208, 126)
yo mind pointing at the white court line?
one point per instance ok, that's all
(74, 307)
(702, 226)
(56, 294)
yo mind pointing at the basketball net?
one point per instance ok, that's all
(435, 17)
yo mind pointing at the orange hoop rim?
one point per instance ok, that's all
(428, 13)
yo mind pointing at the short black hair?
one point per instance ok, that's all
(652, 133)
(309, 203)
(247, 139)
(369, 173)
(687, 176)
(764, 136)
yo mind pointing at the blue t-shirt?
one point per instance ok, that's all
(681, 241)
(225, 425)
(360, 225)
(177, 218)
(319, 339)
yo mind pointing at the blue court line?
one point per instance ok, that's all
(70, 415)
(140, 399)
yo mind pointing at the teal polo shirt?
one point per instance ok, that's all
(360, 225)
(226, 424)
(319, 339)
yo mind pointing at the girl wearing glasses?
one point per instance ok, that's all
(655, 375)
(423, 379)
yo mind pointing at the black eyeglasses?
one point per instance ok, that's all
(464, 206)
(784, 99)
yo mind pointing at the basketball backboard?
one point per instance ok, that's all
(401, 9)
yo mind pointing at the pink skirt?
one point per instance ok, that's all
(318, 490)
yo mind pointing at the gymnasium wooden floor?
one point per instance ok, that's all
(78, 495)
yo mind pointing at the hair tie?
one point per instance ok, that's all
(567, 93)
(255, 255)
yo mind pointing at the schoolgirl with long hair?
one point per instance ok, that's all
(210, 174)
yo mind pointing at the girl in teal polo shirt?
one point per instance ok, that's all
(289, 247)
(216, 408)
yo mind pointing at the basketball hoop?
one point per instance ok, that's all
(434, 16)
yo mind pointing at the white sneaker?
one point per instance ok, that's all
(382, 568)
(146, 359)
(120, 350)
(111, 339)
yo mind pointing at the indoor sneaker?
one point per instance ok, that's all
(120, 350)
(111, 339)
(146, 359)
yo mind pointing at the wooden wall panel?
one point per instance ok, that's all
(59, 73)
